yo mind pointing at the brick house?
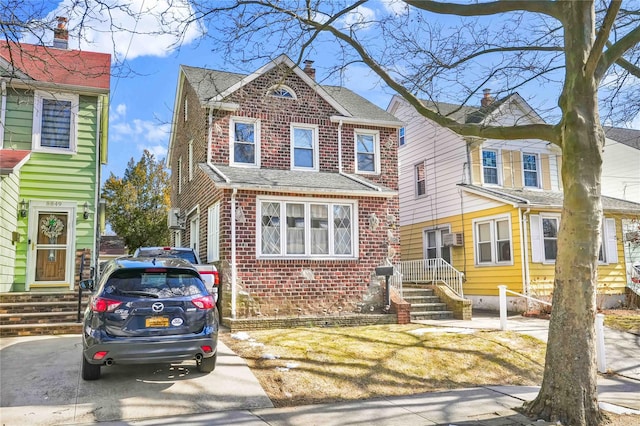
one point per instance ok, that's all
(289, 187)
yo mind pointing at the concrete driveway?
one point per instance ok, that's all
(41, 385)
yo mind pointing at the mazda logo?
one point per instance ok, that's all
(157, 307)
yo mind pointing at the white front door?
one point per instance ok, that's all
(51, 244)
(433, 247)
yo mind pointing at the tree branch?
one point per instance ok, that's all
(615, 52)
(602, 37)
(549, 8)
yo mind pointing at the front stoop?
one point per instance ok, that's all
(40, 313)
(425, 305)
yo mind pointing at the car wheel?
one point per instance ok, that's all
(207, 365)
(90, 371)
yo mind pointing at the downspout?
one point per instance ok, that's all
(3, 108)
(233, 253)
(96, 230)
(525, 253)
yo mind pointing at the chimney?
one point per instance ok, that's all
(61, 34)
(311, 72)
(487, 99)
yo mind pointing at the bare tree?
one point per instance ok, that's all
(444, 51)
(585, 51)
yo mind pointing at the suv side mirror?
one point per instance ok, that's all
(87, 284)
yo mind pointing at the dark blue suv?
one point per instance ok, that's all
(148, 310)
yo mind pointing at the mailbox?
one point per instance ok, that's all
(384, 270)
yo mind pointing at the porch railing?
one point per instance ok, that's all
(428, 271)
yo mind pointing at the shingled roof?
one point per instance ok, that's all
(629, 137)
(546, 199)
(33, 64)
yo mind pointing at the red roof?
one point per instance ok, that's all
(59, 66)
(10, 158)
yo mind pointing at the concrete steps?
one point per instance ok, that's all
(40, 313)
(425, 304)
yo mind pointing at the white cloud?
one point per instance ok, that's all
(126, 33)
(395, 7)
(158, 151)
(360, 18)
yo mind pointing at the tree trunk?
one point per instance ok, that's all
(569, 386)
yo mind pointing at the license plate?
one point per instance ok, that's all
(157, 322)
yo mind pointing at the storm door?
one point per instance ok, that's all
(51, 236)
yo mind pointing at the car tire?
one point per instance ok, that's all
(207, 365)
(90, 371)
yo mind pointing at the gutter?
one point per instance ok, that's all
(233, 253)
(3, 107)
(526, 277)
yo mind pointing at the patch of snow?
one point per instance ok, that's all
(240, 336)
(269, 356)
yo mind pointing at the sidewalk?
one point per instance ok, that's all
(232, 396)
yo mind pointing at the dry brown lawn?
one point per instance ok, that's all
(320, 365)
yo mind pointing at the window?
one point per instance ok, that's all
(433, 245)
(306, 229)
(493, 241)
(304, 147)
(55, 122)
(421, 180)
(245, 136)
(213, 233)
(186, 109)
(401, 140)
(282, 91)
(490, 166)
(544, 239)
(530, 169)
(367, 151)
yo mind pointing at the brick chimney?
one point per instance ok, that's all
(308, 69)
(487, 99)
(61, 34)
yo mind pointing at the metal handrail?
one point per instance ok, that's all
(429, 270)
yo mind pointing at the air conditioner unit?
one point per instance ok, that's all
(173, 219)
(453, 239)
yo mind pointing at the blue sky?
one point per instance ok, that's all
(142, 96)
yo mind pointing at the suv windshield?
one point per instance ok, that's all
(181, 254)
(155, 283)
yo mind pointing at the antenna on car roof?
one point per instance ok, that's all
(154, 261)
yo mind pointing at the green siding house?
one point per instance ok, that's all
(53, 141)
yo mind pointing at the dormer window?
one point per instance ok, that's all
(282, 91)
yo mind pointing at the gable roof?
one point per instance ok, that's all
(12, 159)
(213, 86)
(629, 137)
(545, 199)
(52, 67)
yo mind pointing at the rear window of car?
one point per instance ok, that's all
(181, 254)
(155, 282)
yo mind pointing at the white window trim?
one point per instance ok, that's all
(186, 109)
(537, 237)
(38, 96)
(498, 166)
(256, 141)
(294, 96)
(314, 129)
(190, 160)
(609, 241)
(376, 142)
(425, 241)
(402, 136)
(355, 240)
(538, 173)
(415, 179)
(193, 217)
(213, 233)
(494, 241)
